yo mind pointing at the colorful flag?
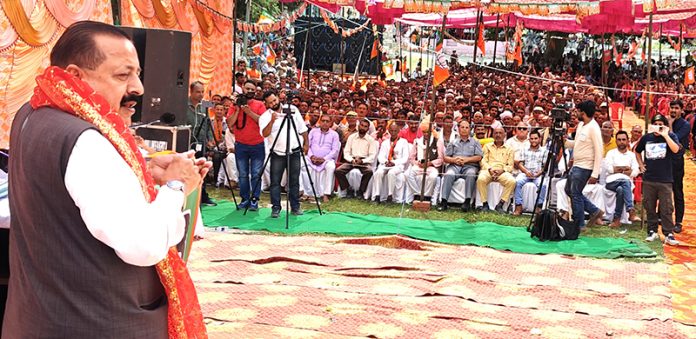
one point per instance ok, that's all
(388, 68)
(375, 48)
(480, 43)
(441, 69)
(270, 55)
(689, 76)
(257, 49)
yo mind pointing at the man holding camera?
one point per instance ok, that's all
(202, 131)
(271, 122)
(249, 147)
(588, 151)
(661, 147)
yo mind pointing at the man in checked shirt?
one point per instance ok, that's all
(531, 165)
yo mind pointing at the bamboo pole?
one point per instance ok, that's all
(473, 69)
(430, 121)
(647, 101)
(495, 47)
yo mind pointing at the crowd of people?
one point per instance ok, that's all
(483, 139)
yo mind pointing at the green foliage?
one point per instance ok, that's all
(268, 7)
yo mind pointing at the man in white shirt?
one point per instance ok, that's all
(588, 151)
(393, 158)
(530, 162)
(518, 143)
(270, 123)
(96, 242)
(622, 166)
(360, 152)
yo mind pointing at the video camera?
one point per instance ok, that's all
(241, 101)
(560, 113)
(560, 116)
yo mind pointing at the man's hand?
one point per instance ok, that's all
(390, 164)
(274, 116)
(592, 181)
(179, 168)
(531, 175)
(305, 148)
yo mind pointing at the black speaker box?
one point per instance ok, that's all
(165, 57)
(324, 46)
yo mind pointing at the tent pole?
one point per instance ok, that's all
(432, 117)
(647, 99)
(495, 47)
(681, 39)
(507, 39)
(473, 69)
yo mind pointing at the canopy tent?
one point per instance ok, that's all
(569, 16)
(609, 19)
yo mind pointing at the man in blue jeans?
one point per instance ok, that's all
(622, 166)
(250, 152)
(531, 165)
(270, 123)
(588, 149)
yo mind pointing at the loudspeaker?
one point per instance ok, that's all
(165, 57)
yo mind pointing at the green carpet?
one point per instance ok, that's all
(515, 239)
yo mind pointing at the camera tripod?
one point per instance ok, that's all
(287, 120)
(556, 147)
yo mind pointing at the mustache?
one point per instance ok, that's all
(129, 97)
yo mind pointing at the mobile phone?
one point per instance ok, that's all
(654, 128)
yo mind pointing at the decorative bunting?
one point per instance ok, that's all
(271, 27)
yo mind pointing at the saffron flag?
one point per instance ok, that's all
(257, 49)
(480, 43)
(441, 69)
(270, 55)
(375, 48)
(388, 69)
(689, 76)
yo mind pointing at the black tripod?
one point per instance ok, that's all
(227, 176)
(287, 119)
(556, 147)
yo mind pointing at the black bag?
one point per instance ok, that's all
(549, 226)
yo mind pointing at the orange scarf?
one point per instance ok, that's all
(60, 90)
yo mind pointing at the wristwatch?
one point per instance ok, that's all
(175, 185)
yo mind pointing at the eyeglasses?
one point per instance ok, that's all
(521, 128)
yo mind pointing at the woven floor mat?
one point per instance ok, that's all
(261, 285)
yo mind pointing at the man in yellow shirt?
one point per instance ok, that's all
(496, 165)
(608, 137)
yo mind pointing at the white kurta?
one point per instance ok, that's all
(113, 207)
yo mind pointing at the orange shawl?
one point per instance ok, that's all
(58, 89)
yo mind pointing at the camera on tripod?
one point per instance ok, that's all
(560, 116)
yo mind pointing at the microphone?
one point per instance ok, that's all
(167, 119)
(144, 124)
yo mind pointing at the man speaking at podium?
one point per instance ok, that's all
(91, 239)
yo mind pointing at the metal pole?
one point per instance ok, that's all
(473, 69)
(401, 59)
(681, 39)
(234, 42)
(659, 48)
(507, 39)
(430, 121)
(647, 100)
(248, 15)
(420, 46)
(430, 41)
(495, 47)
(343, 23)
(308, 50)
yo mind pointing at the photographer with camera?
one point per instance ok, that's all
(202, 131)
(588, 151)
(271, 122)
(249, 147)
(661, 148)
